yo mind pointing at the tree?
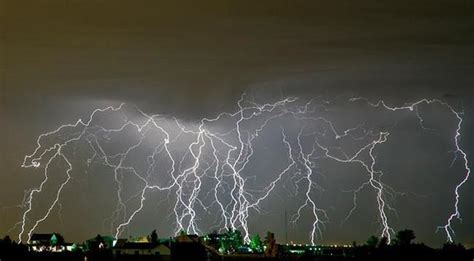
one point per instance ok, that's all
(235, 238)
(256, 244)
(224, 246)
(383, 242)
(154, 237)
(404, 237)
(232, 240)
(270, 243)
(372, 241)
(7, 240)
(453, 247)
(454, 251)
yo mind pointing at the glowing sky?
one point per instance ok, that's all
(59, 60)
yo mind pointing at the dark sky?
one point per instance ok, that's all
(61, 59)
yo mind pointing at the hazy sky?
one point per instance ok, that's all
(61, 59)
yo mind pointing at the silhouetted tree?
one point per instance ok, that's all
(7, 240)
(9, 250)
(455, 251)
(404, 237)
(372, 241)
(383, 242)
(453, 246)
(154, 237)
(270, 243)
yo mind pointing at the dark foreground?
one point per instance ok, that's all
(199, 252)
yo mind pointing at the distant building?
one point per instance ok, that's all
(142, 239)
(123, 247)
(188, 251)
(47, 243)
(40, 242)
(188, 247)
(316, 250)
(131, 248)
(183, 238)
(100, 242)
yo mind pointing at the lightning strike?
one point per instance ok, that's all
(190, 156)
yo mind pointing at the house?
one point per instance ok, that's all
(47, 243)
(72, 247)
(142, 239)
(183, 238)
(100, 242)
(39, 242)
(188, 250)
(123, 248)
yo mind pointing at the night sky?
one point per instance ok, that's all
(59, 60)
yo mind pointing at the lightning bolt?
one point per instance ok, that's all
(191, 156)
(457, 151)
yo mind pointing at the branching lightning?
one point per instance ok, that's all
(219, 151)
(458, 151)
